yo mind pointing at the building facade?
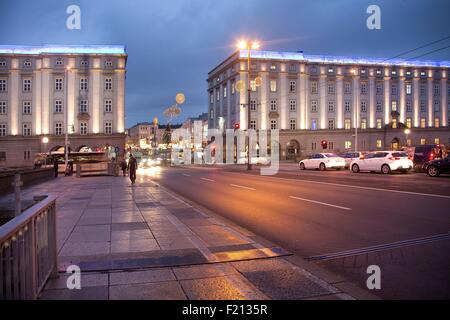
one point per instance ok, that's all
(359, 103)
(46, 90)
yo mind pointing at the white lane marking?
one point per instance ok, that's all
(358, 187)
(206, 179)
(186, 175)
(242, 187)
(318, 202)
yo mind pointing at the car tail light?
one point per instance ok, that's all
(431, 156)
(394, 158)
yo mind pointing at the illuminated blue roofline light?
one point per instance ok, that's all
(63, 49)
(298, 56)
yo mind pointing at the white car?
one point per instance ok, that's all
(383, 161)
(349, 157)
(323, 161)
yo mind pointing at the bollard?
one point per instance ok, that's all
(78, 170)
(17, 201)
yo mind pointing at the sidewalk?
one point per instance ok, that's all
(143, 242)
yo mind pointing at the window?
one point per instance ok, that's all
(252, 105)
(83, 128)
(347, 106)
(3, 86)
(437, 122)
(422, 90)
(347, 124)
(273, 124)
(225, 92)
(314, 106)
(423, 123)
(423, 107)
(379, 144)
(363, 123)
(379, 123)
(379, 88)
(379, 106)
(2, 129)
(26, 85)
(394, 106)
(437, 106)
(108, 127)
(83, 84)
(108, 105)
(3, 107)
(292, 68)
(423, 141)
(331, 88)
(26, 107)
(394, 123)
(408, 106)
(26, 129)
(348, 145)
(2, 63)
(331, 124)
(292, 86)
(211, 114)
(293, 124)
(330, 70)
(217, 95)
(348, 88)
(273, 67)
(437, 141)
(293, 105)
(253, 124)
(363, 88)
(233, 88)
(314, 124)
(313, 146)
(273, 106)
(253, 85)
(408, 88)
(436, 89)
(84, 63)
(108, 84)
(83, 106)
(331, 106)
(108, 63)
(314, 87)
(211, 98)
(58, 128)
(58, 106)
(273, 85)
(58, 84)
(27, 63)
(27, 155)
(394, 89)
(363, 106)
(59, 62)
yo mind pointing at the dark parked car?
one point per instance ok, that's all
(424, 153)
(436, 167)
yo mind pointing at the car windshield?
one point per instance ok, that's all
(331, 155)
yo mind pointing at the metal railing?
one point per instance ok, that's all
(28, 252)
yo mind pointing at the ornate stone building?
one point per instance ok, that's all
(352, 103)
(46, 90)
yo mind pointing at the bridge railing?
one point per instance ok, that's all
(28, 252)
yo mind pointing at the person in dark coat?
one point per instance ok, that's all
(132, 167)
(55, 166)
(123, 166)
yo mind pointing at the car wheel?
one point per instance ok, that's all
(322, 167)
(433, 171)
(355, 168)
(302, 166)
(385, 169)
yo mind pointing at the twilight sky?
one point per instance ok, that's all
(172, 44)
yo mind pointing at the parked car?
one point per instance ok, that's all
(437, 167)
(350, 156)
(323, 161)
(421, 154)
(383, 161)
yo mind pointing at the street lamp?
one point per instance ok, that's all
(407, 133)
(242, 45)
(355, 72)
(45, 140)
(66, 135)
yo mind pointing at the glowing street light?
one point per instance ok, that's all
(249, 46)
(407, 133)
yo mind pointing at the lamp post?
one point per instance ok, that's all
(242, 45)
(44, 142)
(355, 92)
(407, 133)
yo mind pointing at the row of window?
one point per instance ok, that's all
(58, 107)
(58, 129)
(27, 84)
(27, 63)
(331, 89)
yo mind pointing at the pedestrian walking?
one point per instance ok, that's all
(123, 166)
(55, 166)
(132, 167)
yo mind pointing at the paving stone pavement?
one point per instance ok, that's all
(142, 242)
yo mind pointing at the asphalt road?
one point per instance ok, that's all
(315, 213)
